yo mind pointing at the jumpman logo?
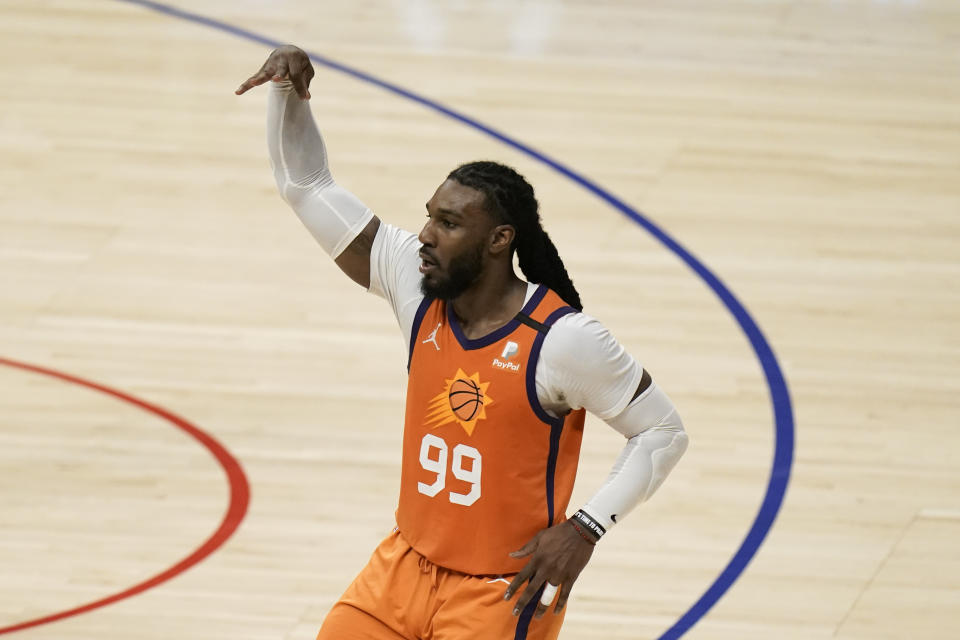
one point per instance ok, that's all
(433, 337)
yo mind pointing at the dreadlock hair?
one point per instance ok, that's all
(510, 199)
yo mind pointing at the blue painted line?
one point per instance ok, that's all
(779, 393)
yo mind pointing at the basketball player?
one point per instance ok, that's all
(501, 370)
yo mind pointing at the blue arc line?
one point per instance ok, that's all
(779, 393)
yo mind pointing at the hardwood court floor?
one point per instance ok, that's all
(807, 152)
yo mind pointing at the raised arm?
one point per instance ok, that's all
(338, 220)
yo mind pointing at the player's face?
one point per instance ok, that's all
(453, 238)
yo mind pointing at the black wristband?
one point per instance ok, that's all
(588, 523)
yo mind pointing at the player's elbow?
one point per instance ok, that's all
(665, 445)
(306, 192)
(680, 440)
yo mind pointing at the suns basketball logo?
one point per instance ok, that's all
(463, 400)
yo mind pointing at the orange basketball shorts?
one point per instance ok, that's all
(400, 595)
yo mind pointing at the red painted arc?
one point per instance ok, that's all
(237, 509)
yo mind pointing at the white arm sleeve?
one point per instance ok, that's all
(333, 215)
(583, 365)
(655, 441)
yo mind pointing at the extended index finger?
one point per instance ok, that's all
(255, 80)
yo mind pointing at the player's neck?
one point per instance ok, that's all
(489, 304)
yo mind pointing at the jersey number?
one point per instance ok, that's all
(437, 463)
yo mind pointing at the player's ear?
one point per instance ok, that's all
(501, 237)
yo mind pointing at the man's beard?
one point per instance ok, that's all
(462, 272)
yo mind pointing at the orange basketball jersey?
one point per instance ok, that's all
(485, 467)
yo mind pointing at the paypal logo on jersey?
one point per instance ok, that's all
(509, 351)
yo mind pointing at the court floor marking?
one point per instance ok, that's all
(237, 509)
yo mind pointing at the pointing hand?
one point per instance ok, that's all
(285, 63)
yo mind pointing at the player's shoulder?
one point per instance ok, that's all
(577, 338)
(577, 324)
